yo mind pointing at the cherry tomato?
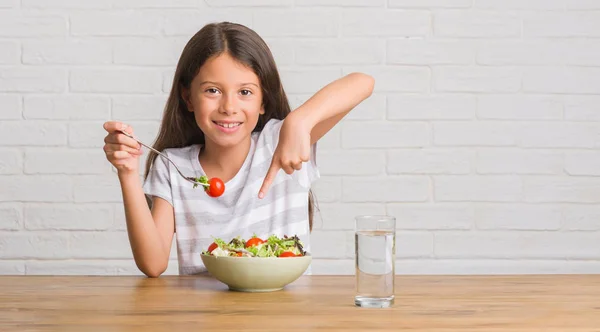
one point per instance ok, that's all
(212, 247)
(216, 188)
(254, 242)
(239, 254)
(287, 254)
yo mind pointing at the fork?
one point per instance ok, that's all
(190, 179)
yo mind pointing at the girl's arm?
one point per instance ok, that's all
(150, 231)
(311, 121)
(329, 105)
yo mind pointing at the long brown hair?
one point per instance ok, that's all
(178, 127)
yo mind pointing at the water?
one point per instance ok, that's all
(375, 253)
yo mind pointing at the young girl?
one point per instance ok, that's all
(227, 116)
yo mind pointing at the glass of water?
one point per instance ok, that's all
(375, 255)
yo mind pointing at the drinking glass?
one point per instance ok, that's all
(375, 255)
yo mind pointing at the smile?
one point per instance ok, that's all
(227, 125)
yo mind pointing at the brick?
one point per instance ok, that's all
(562, 24)
(9, 52)
(519, 5)
(530, 52)
(153, 4)
(548, 189)
(340, 51)
(120, 222)
(430, 52)
(518, 217)
(477, 79)
(11, 107)
(68, 217)
(582, 52)
(584, 108)
(414, 244)
(138, 107)
(66, 107)
(104, 245)
(396, 79)
(431, 107)
(11, 216)
(307, 80)
(328, 189)
(493, 188)
(475, 133)
(242, 3)
(23, 245)
(429, 3)
(115, 80)
(128, 267)
(331, 140)
(519, 107)
(331, 244)
(66, 4)
(148, 52)
(18, 25)
(282, 50)
(188, 22)
(11, 161)
(379, 134)
(335, 267)
(122, 23)
(582, 80)
(97, 189)
(167, 80)
(429, 161)
(438, 216)
(522, 245)
(560, 135)
(12, 267)
(372, 108)
(386, 23)
(9, 4)
(494, 266)
(582, 163)
(581, 218)
(355, 162)
(341, 216)
(296, 23)
(512, 161)
(63, 52)
(19, 79)
(71, 267)
(476, 23)
(341, 3)
(386, 189)
(35, 188)
(86, 134)
(34, 133)
(582, 4)
(65, 161)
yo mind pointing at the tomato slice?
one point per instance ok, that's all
(287, 254)
(239, 254)
(254, 242)
(212, 247)
(216, 187)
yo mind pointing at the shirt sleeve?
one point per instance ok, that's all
(158, 182)
(310, 171)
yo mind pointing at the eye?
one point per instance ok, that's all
(245, 92)
(212, 90)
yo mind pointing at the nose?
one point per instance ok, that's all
(228, 104)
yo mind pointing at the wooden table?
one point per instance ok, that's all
(315, 303)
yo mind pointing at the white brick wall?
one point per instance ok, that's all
(481, 136)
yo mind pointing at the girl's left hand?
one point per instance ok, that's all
(292, 150)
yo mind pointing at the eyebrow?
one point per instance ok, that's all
(215, 83)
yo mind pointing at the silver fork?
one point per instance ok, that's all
(190, 179)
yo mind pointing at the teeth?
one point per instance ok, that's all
(229, 125)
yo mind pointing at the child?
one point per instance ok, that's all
(227, 116)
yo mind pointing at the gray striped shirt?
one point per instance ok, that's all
(239, 211)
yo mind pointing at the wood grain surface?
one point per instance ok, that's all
(313, 303)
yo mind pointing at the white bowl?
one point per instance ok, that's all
(256, 274)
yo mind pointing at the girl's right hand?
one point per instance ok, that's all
(122, 151)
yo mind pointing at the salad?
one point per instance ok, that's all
(214, 187)
(273, 246)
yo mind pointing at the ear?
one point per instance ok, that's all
(262, 109)
(185, 95)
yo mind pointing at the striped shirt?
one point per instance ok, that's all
(239, 211)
